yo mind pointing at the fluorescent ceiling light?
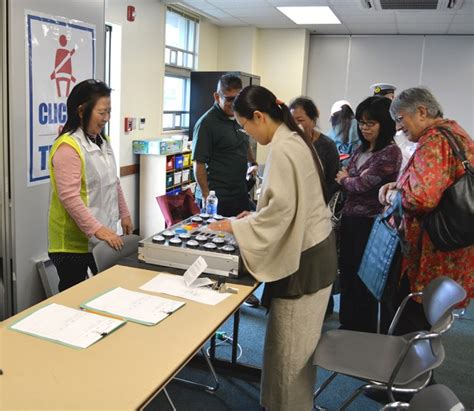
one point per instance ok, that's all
(310, 15)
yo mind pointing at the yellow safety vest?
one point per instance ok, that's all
(98, 192)
(63, 233)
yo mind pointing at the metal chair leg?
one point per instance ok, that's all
(324, 385)
(349, 400)
(209, 388)
(169, 399)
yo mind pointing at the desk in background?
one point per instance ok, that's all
(125, 370)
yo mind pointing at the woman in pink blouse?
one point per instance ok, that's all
(376, 162)
(86, 197)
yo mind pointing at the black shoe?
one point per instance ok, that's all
(252, 301)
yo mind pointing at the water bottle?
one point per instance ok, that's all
(211, 203)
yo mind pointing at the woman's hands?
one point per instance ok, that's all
(386, 193)
(223, 225)
(342, 173)
(110, 237)
(127, 225)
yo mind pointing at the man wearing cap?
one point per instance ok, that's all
(384, 90)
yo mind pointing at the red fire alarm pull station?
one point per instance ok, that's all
(130, 13)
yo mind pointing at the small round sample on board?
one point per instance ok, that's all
(158, 239)
(204, 216)
(196, 219)
(211, 220)
(185, 236)
(192, 243)
(218, 217)
(201, 238)
(210, 246)
(228, 248)
(167, 233)
(180, 231)
(218, 240)
(175, 241)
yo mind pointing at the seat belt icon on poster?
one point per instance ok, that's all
(63, 66)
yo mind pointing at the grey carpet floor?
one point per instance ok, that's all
(238, 393)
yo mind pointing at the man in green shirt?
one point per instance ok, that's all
(221, 154)
(221, 151)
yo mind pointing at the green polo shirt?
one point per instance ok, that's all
(222, 145)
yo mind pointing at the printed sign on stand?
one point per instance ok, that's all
(60, 53)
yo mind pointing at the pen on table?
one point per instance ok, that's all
(103, 314)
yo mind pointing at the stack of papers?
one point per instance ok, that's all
(67, 325)
(133, 306)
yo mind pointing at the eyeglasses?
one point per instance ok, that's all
(243, 124)
(228, 99)
(366, 124)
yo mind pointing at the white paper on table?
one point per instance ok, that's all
(174, 285)
(191, 275)
(134, 305)
(67, 325)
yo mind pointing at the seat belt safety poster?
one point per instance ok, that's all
(60, 53)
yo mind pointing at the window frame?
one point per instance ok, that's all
(181, 71)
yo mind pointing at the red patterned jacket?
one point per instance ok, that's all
(433, 168)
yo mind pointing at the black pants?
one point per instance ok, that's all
(230, 207)
(72, 268)
(413, 317)
(358, 309)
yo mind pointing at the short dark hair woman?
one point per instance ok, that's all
(306, 114)
(376, 162)
(86, 198)
(288, 244)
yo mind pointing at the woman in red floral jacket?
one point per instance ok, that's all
(430, 171)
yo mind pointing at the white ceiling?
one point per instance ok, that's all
(354, 18)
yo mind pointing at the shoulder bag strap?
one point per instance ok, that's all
(457, 149)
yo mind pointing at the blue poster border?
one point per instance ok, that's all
(31, 17)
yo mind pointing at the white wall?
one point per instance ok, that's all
(343, 67)
(208, 46)
(237, 49)
(282, 68)
(142, 72)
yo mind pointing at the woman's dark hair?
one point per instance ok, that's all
(343, 118)
(376, 108)
(85, 94)
(258, 98)
(307, 105)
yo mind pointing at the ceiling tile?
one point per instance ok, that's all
(296, 3)
(461, 29)
(237, 4)
(370, 19)
(423, 28)
(463, 19)
(372, 28)
(267, 12)
(425, 17)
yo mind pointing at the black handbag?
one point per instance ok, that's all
(450, 225)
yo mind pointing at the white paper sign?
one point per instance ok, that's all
(60, 53)
(192, 273)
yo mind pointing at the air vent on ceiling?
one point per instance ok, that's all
(440, 5)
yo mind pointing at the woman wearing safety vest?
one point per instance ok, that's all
(86, 197)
